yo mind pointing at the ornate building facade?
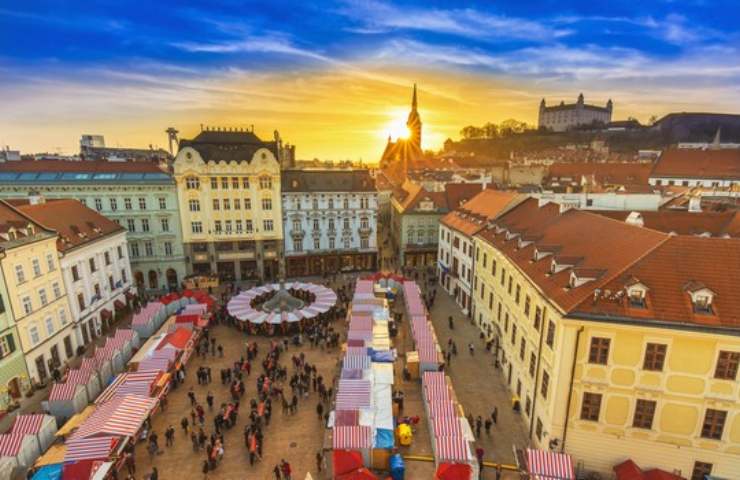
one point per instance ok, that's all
(228, 184)
(560, 118)
(139, 196)
(330, 221)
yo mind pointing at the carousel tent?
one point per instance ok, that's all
(66, 399)
(43, 427)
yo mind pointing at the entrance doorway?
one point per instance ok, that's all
(139, 278)
(171, 278)
(153, 279)
(14, 388)
(41, 368)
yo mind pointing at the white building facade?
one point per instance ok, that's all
(562, 117)
(330, 221)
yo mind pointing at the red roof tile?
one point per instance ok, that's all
(483, 207)
(694, 163)
(682, 222)
(677, 266)
(603, 173)
(75, 223)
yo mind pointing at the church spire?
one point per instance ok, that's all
(414, 123)
(413, 100)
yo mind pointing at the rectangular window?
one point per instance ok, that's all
(50, 262)
(532, 364)
(148, 249)
(98, 204)
(267, 225)
(127, 203)
(545, 383)
(192, 183)
(522, 347)
(245, 183)
(124, 279)
(644, 413)
(591, 406)
(247, 204)
(225, 183)
(33, 332)
(248, 227)
(168, 248)
(142, 203)
(227, 204)
(237, 204)
(599, 351)
(75, 273)
(214, 183)
(63, 317)
(42, 297)
(297, 244)
(144, 224)
(493, 267)
(550, 340)
(364, 243)
(216, 204)
(239, 227)
(654, 356)
(106, 256)
(217, 226)
(332, 243)
(513, 334)
(227, 224)
(503, 277)
(526, 306)
(113, 204)
(20, 276)
(36, 265)
(81, 301)
(714, 424)
(194, 205)
(235, 183)
(97, 291)
(27, 305)
(316, 244)
(49, 326)
(727, 364)
(93, 267)
(165, 223)
(265, 183)
(134, 249)
(196, 227)
(120, 252)
(162, 203)
(56, 289)
(111, 283)
(266, 204)
(701, 470)
(517, 295)
(131, 223)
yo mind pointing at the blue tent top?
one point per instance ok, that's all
(384, 438)
(49, 472)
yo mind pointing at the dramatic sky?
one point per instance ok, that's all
(334, 77)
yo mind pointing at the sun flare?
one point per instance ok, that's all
(396, 128)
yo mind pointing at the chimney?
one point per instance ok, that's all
(35, 198)
(695, 204)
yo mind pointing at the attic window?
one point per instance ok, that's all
(703, 304)
(701, 298)
(636, 295)
(30, 229)
(523, 243)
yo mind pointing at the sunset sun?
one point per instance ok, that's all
(396, 127)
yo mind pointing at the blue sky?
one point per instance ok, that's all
(322, 70)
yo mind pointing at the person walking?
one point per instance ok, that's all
(285, 469)
(494, 415)
(320, 410)
(450, 323)
(276, 472)
(169, 436)
(479, 452)
(184, 424)
(209, 400)
(487, 425)
(478, 425)
(319, 460)
(471, 349)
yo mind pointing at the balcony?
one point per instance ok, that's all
(365, 231)
(297, 233)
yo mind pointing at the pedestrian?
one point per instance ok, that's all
(204, 469)
(471, 348)
(154, 475)
(130, 463)
(209, 400)
(479, 452)
(276, 472)
(285, 469)
(487, 425)
(191, 396)
(450, 323)
(184, 425)
(320, 410)
(494, 415)
(169, 436)
(220, 351)
(319, 460)
(478, 425)
(499, 471)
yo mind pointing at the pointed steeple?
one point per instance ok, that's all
(413, 100)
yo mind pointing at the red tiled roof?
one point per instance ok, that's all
(457, 194)
(76, 224)
(79, 166)
(589, 242)
(485, 206)
(694, 163)
(683, 222)
(604, 173)
(669, 272)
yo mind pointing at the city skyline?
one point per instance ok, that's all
(335, 79)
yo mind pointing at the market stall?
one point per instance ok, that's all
(43, 427)
(88, 378)
(24, 449)
(66, 399)
(351, 448)
(121, 416)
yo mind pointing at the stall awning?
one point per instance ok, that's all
(75, 421)
(544, 465)
(99, 448)
(451, 449)
(63, 391)
(27, 424)
(120, 416)
(352, 437)
(10, 444)
(55, 454)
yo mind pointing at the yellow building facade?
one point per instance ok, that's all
(228, 186)
(648, 374)
(36, 294)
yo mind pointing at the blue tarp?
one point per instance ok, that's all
(384, 356)
(397, 467)
(49, 472)
(383, 438)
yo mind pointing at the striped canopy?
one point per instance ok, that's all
(356, 362)
(98, 448)
(353, 394)
(346, 418)
(544, 465)
(120, 416)
(451, 449)
(137, 383)
(447, 426)
(63, 391)
(241, 308)
(10, 444)
(27, 424)
(352, 437)
(79, 376)
(442, 408)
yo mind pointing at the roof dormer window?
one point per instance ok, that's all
(636, 294)
(701, 298)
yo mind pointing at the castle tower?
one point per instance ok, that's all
(414, 123)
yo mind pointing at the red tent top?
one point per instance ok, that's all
(188, 318)
(658, 474)
(454, 471)
(188, 293)
(81, 470)
(628, 470)
(178, 339)
(359, 474)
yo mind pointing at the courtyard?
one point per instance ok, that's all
(298, 438)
